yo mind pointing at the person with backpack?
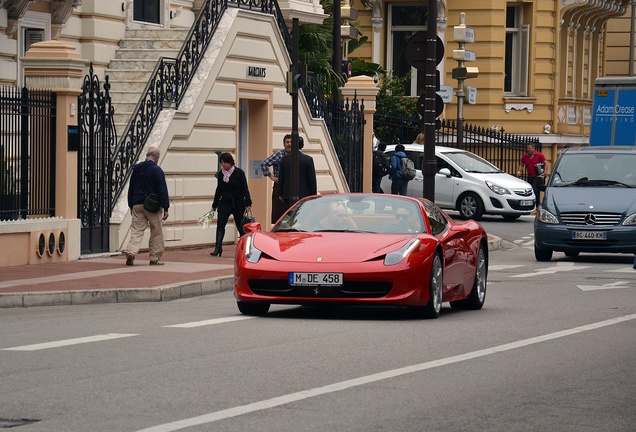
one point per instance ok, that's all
(399, 171)
(380, 167)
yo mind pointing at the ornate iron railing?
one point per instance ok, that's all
(97, 135)
(171, 77)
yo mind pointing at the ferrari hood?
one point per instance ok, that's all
(327, 247)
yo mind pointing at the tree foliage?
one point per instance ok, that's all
(396, 116)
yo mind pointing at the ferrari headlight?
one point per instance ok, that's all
(499, 190)
(252, 253)
(547, 217)
(630, 220)
(397, 256)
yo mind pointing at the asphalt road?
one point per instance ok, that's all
(552, 350)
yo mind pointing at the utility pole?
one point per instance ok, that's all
(294, 94)
(337, 49)
(429, 165)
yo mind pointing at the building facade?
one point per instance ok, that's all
(537, 63)
(537, 59)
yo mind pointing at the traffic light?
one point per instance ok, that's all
(348, 14)
(294, 81)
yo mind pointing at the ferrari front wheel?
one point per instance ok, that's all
(252, 308)
(434, 306)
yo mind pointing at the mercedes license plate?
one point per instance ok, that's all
(589, 235)
(315, 279)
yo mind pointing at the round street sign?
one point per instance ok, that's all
(439, 105)
(416, 50)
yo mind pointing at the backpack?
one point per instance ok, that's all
(380, 164)
(407, 169)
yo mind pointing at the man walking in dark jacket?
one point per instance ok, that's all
(307, 184)
(147, 178)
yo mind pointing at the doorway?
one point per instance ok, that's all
(254, 145)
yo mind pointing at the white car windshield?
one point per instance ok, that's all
(472, 163)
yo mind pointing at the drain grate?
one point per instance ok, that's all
(11, 423)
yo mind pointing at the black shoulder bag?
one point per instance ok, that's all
(151, 202)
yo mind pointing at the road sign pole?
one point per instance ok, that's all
(463, 35)
(429, 167)
(460, 91)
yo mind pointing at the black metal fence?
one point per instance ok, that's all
(27, 153)
(500, 148)
(496, 146)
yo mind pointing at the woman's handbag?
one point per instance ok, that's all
(152, 203)
(247, 217)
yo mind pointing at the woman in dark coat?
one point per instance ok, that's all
(232, 197)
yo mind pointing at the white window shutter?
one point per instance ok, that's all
(524, 50)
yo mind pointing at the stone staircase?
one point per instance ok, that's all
(134, 62)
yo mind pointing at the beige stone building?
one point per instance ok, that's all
(537, 63)
(537, 59)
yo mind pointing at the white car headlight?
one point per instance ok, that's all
(252, 253)
(397, 256)
(630, 220)
(499, 190)
(547, 217)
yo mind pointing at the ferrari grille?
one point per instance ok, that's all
(280, 288)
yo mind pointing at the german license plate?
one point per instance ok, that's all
(315, 279)
(589, 235)
(526, 203)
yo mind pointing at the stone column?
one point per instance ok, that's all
(57, 66)
(365, 89)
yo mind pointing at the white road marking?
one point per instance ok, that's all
(210, 322)
(560, 267)
(67, 342)
(503, 267)
(623, 270)
(613, 285)
(356, 382)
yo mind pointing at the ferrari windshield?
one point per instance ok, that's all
(374, 213)
(589, 170)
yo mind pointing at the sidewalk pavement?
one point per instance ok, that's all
(105, 278)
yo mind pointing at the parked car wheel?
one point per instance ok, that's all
(478, 292)
(251, 308)
(470, 206)
(542, 254)
(432, 309)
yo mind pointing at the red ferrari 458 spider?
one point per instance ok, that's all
(371, 249)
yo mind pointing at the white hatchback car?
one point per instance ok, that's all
(469, 184)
